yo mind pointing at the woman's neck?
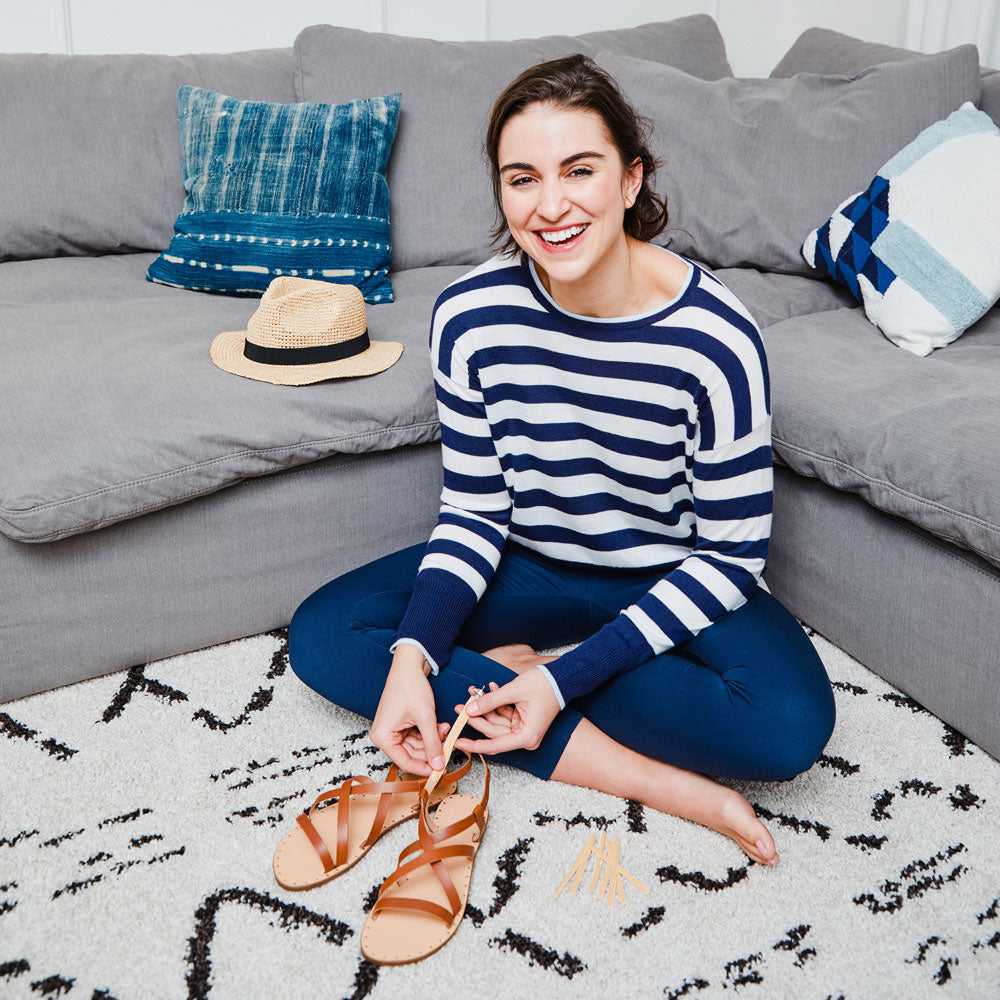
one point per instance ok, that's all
(637, 278)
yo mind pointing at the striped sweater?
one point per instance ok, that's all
(642, 442)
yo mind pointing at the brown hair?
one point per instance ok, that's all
(578, 82)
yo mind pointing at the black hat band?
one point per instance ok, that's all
(307, 355)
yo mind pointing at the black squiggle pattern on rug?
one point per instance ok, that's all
(796, 935)
(911, 883)
(52, 986)
(957, 744)
(685, 988)
(548, 958)
(290, 917)
(943, 972)
(137, 681)
(839, 765)
(601, 822)
(23, 835)
(15, 730)
(16, 968)
(671, 873)
(506, 883)
(259, 700)
(866, 841)
(364, 980)
(793, 822)
(635, 811)
(965, 799)
(741, 971)
(650, 918)
(279, 658)
(849, 688)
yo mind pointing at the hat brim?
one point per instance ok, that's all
(227, 354)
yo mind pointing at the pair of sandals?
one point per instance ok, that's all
(421, 904)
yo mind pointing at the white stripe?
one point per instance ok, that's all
(255, 268)
(679, 604)
(651, 632)
(439, 560)
(745, 485)
(715, 582)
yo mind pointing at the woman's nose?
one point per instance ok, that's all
(552, 201)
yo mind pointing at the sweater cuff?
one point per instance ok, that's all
(439, 605)
(407, 641)
(614, 649)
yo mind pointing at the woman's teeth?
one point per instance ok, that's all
(561, 235)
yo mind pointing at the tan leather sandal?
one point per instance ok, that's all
(327, 840)
(421, 904)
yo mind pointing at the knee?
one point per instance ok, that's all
(799, 731)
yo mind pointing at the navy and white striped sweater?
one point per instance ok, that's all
(642, 443)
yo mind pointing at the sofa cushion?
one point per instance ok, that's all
(442, 208)
(281, 189)
(751, 166)
(90, 157)
(115, 407)
(918, 247)
(772, 298)
(915, 437)
(820, 50)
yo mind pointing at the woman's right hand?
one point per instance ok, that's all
(405, 726)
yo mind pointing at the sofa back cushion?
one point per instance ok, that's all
(439, 185)
(90, 157)
(819, 50)
(751, 166)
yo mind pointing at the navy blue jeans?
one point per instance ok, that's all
(748, 697)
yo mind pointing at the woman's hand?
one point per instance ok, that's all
(405, 726)
(511, 717)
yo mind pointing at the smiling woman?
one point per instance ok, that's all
(605, 427)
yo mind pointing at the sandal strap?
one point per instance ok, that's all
(405, 903)
(317, 841)
(430, 858)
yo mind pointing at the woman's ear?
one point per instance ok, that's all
(632, 182)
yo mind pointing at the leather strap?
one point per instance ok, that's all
(432, 854)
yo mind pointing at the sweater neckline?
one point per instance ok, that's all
(639, 319)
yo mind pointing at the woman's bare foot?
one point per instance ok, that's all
(518, 656)
(594, 760)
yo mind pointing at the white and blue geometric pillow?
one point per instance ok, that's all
(281, 189)
(920, 247)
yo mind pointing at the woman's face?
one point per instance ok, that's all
(564, 190)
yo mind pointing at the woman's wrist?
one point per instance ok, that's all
(409, 656)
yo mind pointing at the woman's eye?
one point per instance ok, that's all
(581, 172)
(520, 180)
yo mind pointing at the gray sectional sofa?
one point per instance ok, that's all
(151, 504)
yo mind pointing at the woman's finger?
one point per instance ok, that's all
(484, 726)
(500, 744)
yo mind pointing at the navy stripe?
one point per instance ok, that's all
(449, 547)
(752, 461)
(577, 432)
(592, 466)
(609, 541)
(596, 503)
(488, 532)
(736, 508)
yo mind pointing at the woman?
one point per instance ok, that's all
(607, 482)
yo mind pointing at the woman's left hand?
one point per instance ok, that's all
(511, 717)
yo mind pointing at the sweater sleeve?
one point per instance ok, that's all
(465, 546)
(731, 487)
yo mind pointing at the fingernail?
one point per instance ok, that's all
(438, 762)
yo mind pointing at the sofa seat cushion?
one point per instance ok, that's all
(915, 437)
(115, 408)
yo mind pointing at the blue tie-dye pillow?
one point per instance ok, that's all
(277, 189)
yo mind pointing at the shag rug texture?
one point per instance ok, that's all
(139, 813)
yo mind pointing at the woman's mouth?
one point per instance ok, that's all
(556, 240)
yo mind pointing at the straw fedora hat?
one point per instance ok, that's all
(305, 331)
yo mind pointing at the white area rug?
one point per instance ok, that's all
(139, 813)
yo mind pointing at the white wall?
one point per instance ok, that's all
(757, 32)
